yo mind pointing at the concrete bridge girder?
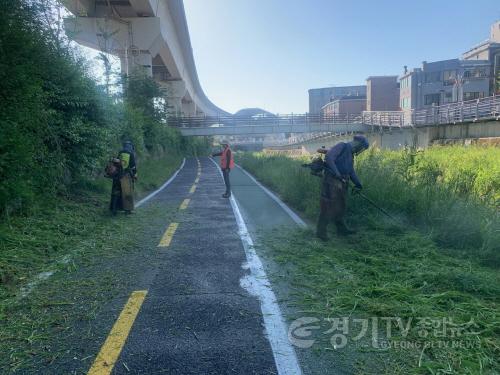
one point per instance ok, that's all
(418, 137)
(113, 36)
(149, 29)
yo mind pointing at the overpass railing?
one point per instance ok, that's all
(466, 111)
(291, 119)
(472, 110)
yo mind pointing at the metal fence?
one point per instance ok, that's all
(472, 110)
(467, 111)
(289, 119)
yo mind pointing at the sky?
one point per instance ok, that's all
(268, 53)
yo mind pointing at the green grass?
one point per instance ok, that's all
(94, 258)
(450, 193)
(35, 243)
(59, 327)
(401, 274)
(441, 261)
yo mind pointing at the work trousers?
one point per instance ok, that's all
(225, 174)
(333, 203)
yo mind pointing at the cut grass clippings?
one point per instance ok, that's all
(33, 244)
(91, 257)
(383, 273)
(414, 271)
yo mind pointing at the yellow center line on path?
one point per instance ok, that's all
(197, 180)
(193, 189)
(184, 204)
(112, 347)
(168, 235)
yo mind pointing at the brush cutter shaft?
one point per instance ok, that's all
(377, 207)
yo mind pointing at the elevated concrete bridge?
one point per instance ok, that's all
(152, 34)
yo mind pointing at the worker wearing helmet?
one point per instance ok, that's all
(122, 191)
(339, 168)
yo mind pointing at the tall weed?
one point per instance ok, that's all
(452, 193)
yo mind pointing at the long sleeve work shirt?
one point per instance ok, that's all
(339, 160)
(228, 156)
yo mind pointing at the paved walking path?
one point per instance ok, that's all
(196, 318)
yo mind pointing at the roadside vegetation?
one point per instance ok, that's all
(59, 126)
(439, 259)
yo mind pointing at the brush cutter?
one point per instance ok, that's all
(318, 165)
(357, 192)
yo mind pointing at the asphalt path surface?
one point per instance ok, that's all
(196, 317)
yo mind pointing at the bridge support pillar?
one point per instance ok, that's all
(174, 92)
(188, 108)
(142, 59)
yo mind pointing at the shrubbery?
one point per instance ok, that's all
(57, 125)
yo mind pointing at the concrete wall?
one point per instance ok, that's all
(413, 137)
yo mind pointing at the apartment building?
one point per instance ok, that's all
(382, 93)
(489, 50)
(348, 105)
(318, 98)
(443, 82)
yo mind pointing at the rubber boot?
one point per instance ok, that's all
(342, 229)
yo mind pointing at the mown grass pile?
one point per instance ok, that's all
(395, 275)
(439, 264)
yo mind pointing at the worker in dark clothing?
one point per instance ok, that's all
(339, 168)
(122, 191)
(226, 164)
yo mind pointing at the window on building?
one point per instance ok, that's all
(476, 73)
(405, 103)
(431, 99)
(481, 73)
(449, 77)
(471, 95)
(448, 97)
(432, 77)
(405, 83)
(497, 74)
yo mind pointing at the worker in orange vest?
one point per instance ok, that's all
(226, 164)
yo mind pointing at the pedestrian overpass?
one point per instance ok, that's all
(472, 111)
(279, 124)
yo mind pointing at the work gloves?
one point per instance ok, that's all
(357, 189)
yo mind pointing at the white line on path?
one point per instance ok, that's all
(257, 284)
(288, 210)
(28, 288)
(145, 199)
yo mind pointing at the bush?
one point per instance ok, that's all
(58, 126)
